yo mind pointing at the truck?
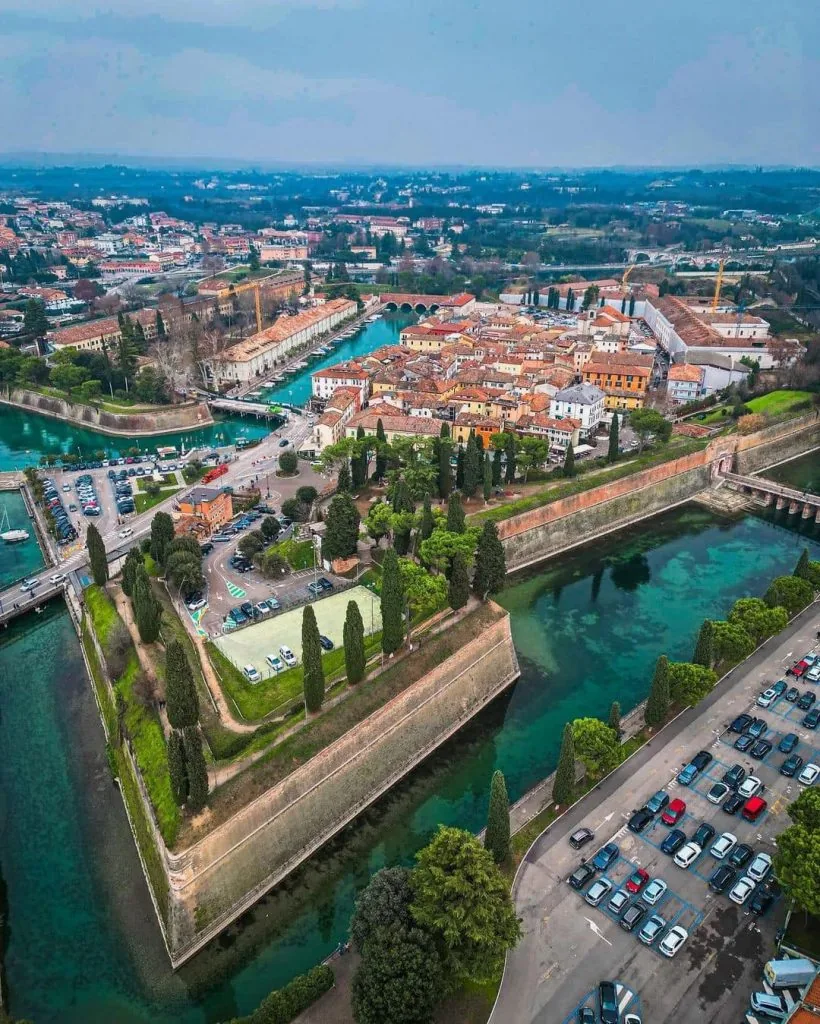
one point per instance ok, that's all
(789, 973)
(215, 473)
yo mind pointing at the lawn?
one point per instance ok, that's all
(778, 402)
(142, 502)
(297, 553)
(168, 480)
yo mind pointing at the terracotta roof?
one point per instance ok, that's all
(686, 372)
(398, 424)
(97, 328)
(617, 369)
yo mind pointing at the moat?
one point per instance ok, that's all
(82, 943)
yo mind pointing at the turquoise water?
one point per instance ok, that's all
(296, 390)
(82, 943)
(25, 436)
(24, 557)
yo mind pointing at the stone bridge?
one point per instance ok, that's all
(769, 493)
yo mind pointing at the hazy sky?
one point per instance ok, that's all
(415, 81)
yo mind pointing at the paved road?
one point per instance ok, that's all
(568, 946)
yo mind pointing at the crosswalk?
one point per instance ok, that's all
(235, 591)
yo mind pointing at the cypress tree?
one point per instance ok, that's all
(177, 768)
(455, 515)
(614, 721)
(801, 570)
(569, 461)
(97, 557)
(564, 786)
(343, 482)
(180, 691)
(314, 671)
(445, 430)
(162, 534)
(458, 588)
(497, 835)
(160, 325)
(488, 477)
(402, 498)
(460, 468)
(497, 467)
(704, 648)
(657, 704)
(132, 560)
(509, 451)
(445, 473)
(426, 524)
(392, 604)
(490, 562)
(472, 467)
(147, 610)
(614, 452)
(358, 464)
(197, 770)
(631, 305)
(353, 638)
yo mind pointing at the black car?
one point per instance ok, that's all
(758, 728)
(640, 819)
(806, 700)
(324, 583)
(744, 743)
(581, 875)
(674, 841)
(704, 834)
(632, 917)
(586, 1015)
(722, 878)
(741, 723)
(734, 776)
(791, 766)
(763, 897)
(608, 1003)
(733, 803)
(247, 608)
(760, 750)
(792, 694)
(788, 743)
(701, 760)
(812, 719)
(580, 837)
(326, 642)
(740, 856)
(206, 548)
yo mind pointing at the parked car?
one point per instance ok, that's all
(632, 917)
(722, 878)
(744, 742)
(809, 775)
(760, 750)
(771, 1005)
(705, 834)
(759, 867)
(580, 837)
(687, 855)
(674, 812)
(598, 891)
(750, 786)
(261, 608)
(655, 891)
(792, 694)
(767, 698)
(657, 802)
(251, 673)
(674, 841)
(652, 929)
(608, 1003)
(690, 772)
(314, 589)
(275, 663)
(287, 656)
(326, 642)
(247, 608)
(791, 766)
(619, 900)
(758, 728)
(637, 880)
(674, 939)
(586, 1015)
(753, 808)
(606, 856)
(740, 856)
(741, 723)
(806, 700)
(763, 897)
(788, 743)
(812, 719)
(325, 583)
(718, 793)
(723, 845)
(195, 601)
(581, 875)
(640, 819)
(741, 890)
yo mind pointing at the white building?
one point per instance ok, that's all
(343, 375)
(681, 330)
(582, 402)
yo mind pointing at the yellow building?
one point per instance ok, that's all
(624, 385)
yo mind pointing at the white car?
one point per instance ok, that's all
(58, 577)
(741, 890)
(687, 855)
(29, 585)
(723, 845)
(275, 663)
(195, 604)
(599, 889)
(766, 699)
(252, 674)
(654, 892)
(673, 940)
(127, 532)
(809, 774)
(750, 787)
(288, 656)
(760, 867)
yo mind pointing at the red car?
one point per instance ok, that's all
(637, 880)
(799, 669)
(674, 812)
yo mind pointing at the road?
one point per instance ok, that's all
(568, 947)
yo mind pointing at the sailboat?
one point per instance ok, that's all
(8, 535)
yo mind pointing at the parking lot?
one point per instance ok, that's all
(570, 946)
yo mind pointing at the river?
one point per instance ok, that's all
(82, 946)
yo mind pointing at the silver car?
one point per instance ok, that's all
(598, 891)
(652, 929)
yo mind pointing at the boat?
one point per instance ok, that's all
(9, 536)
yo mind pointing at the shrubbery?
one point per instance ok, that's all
(285, 1004)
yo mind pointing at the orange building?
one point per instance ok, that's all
(207, 505)
(625, 385)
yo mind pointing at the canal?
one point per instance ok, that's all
(81, 943)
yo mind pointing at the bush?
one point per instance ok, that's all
(295, 510)
(283, 1005)
(288, 463)
(118, 649)
(751, 422)
(790, 593)
(307, 495)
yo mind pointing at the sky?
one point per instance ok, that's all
(418, 82)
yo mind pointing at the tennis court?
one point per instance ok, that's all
(251, 645)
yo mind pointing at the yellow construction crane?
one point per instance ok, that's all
(718, 283)
(258, 303)
(627, 272)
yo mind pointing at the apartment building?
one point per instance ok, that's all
(625, 385)
(685, 383)
(95, 335)
(581, 402)
(344, 375)
(342, 405)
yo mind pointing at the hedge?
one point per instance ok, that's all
(284, 1004)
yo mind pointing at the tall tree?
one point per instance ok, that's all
(657, 704)
(399, 979)
(343, 482)
(497, 834)
(392, 604)
(197, 770)
(564, 785)
(460, 468)
(614, 721)
(509, 452)
(353, 640)
(704, 648)
(426, 524)
(181, 700)
(342, 531)
(132, 560)
(458, 588)
(360, 461)
(147, 610)
(490, 562)
(462, 899)
(497, 467)
(487, 488)
(35, 320)
(160, 325)
(472, 467)
(381, 450)
(402, 500)
(97, 557)
(177, 769)
(126, 348)
(384, 901)
(614, 452)
(445, 472)
(801, 569)
(569, 461)
(314, 672)
(455, 515)
(162, 535)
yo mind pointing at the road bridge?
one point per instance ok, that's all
(14, 601)
(768, 493)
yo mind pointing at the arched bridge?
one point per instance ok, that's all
(769, 493)
(411, 303)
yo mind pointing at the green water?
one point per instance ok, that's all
(25, 436)
(803, 474)
(296, 390)
(82, 945)
(23, 557)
